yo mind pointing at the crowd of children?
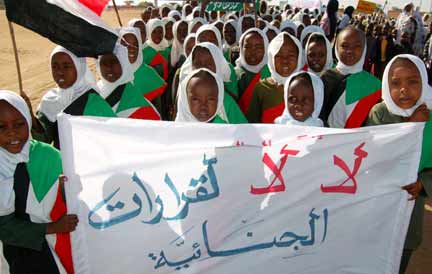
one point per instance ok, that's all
(182, 64)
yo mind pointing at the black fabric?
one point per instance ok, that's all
(61, 27)
(24, 260)
(116, 95)
(334, 87)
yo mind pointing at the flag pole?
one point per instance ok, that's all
(117, 13)
(12, 33)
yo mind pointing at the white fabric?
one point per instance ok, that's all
(152, 24)
(9, 161)
(190, 36)
(288, 24)
(241, 62)
(426, 95)
(177, 47)
(105, 87)
(329, 59)
(202, 160)
(132, 23)
(183, 110)
(165, 21)
(222, 68)
(273, 28)
(57, 99)
(357, 67)
(173, 13)
(137, 33)
(184, 16)
(208, 27)
(310, 29)
(274, 47)
(193, 22)
(344, 22)
(240, 21)
(191, 17)
(318, 90)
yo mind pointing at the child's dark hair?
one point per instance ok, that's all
(302, 77)
(203, 74)
(199, 48)
(357, 30)
(316, 38)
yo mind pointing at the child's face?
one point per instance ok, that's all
(168, 31)
(317, 55)
(110, 67)
(142, 29)
(63, 70)
(208, 36)
(14, 131)
(157, 35)
(253, 48)
(287, 57)
(271, 35)
(229, 34)
(189, 46)
(202, 98)
(350, 47)
(404, 83)
(306, 20)
(196, 27)
(188, 10)
(165, 12)
(202, 58)
(247, 23)
(131, 42)
(146, 15)
(300, 99)
(182, 31)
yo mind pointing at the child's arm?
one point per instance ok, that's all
(421, 114)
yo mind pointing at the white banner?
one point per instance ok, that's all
(159, 197)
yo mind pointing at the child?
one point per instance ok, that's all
(307, 32)
(289, 27)
(252, 65)
(407, 97)
(349, 91)
(169, 36)
(304, 96)
(180, 33)
(32, 210)
(230, 36)
(209, 33)
(285, 56)
(154, 54)
(75, 94)
(139, 24)
(116, 86)
(246, 22)
(319, 57)
(201, 98)
(195, 24)
(271, 32)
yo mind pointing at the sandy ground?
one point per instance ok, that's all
(34, 52)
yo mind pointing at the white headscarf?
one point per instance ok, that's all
(184, 15)
(329, 59)
(106, 87)
(152, 24)
(310, 29)
(194, 21)
(177, 47)
(183, 110)
(132, 23)
(9, 161)
(134, 31)
(161, 8)
(274, 48)
(173, 13)
(273, 28)
(234, 24)
(242, 61)
(357, 67)
(165, 21)
(222, 68)
(288, 24)
(57, 99)
(212, 28)
(318, 89)
(190, 17)
(240, 21)
(426, 93)
(190, 36)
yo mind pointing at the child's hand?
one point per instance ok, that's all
(421, 114)
(413, 189)
(65, 224)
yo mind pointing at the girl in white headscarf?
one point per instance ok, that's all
(304, 96)
(271, 32)
(168, 27)
(156, 54)
(195, 24)
(242, 26)
(314, 54)
(29, 187)
(138, 23)
(176, 15)
(177, 50)
(407, 97)
(307, 31)
(75, 94)
(289, 27)
(231, 36)
(209, 33)
(285, 57)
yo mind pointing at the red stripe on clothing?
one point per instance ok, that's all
(361, 110)
(153, 94)
(146, 113)
(97, 6)
(269, 115)
(158, 59)
(247, 95)
(62, 247)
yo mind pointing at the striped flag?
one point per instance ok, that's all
(73, 24)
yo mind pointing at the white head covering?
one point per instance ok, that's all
(173, 13)
(240, 21)
(310, 29)
(212, 28)
(184, 15)
(177, 47)
(190, 17)
(274, 48)
(234, 24)
(132, 23)
(183, 110)
(190, 36)
(135, 31)
(357, 67)
(194, 21)
(57, 99)
(426, 93)
(270, 27)
(242, 61)
(318, 89)
(161, 8)
(165, 21)
(9, 161)
(329, 59)
(288, 24)
(222, 67)
(106, 87)
(152, 24)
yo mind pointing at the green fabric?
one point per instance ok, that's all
(360, 85)
(44, 168)
(227, 55)
(218, 120)
(426, 156)
(131, 98)
(231, 86)
(166, 53)
(97, 106)
(233, 112)
(148, 54)
(267, 96)
(147, 79)
(265, 72)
